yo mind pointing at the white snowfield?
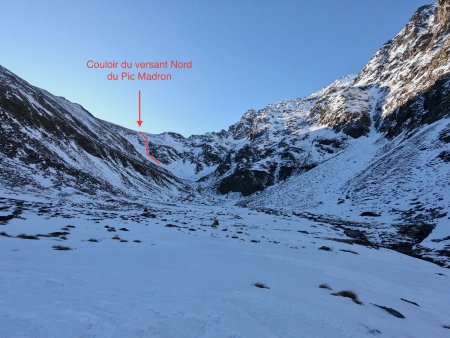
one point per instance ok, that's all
(194, 280)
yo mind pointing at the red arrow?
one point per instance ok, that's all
(139, 122)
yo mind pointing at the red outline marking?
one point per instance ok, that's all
(146, 148)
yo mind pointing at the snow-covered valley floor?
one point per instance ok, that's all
(185, 278)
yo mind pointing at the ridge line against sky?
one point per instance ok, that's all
(246, 54)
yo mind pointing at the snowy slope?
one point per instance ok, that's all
(50, 146)
(192, 280)
(404, 182)
(395, 172)
(269, 145)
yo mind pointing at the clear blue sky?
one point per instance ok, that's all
(245, 53)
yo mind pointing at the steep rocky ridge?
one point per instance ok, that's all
(52, 146)
(403, 87)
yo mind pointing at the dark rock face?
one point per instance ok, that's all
(445, 156)
(426, 108)
(416, 232)
(285, 172)
(443, 13)
(444, 136)
(345, 109)
(243, 128)
(246, 182)
(416, 58)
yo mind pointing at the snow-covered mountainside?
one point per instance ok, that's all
(397, 168)
(52, 147)
(403, 88)
(376, 143)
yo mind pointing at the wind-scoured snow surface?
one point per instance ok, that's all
(267, 229)
(185, 278)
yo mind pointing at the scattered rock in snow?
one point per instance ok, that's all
(349, 251)
(25, 236)
(391, 311)
(370, 214)
(410, 302)
(61, 248)
(261, 285)
(325, 286)
(348, 294)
